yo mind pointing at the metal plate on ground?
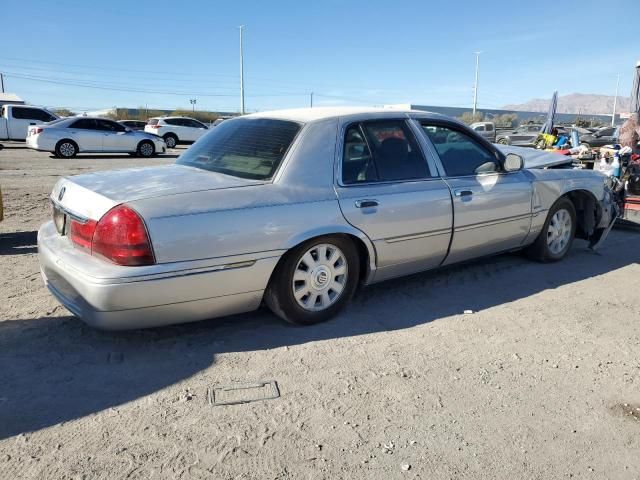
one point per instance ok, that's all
(243, 392)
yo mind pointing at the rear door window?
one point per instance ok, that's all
(108, 126)
(382, 151)
(84, 124)
(459, 153)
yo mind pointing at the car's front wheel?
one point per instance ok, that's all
(146, 149)
(315, 280)
(558, 232)
(66, 149)
(503, 141)
(171, 140)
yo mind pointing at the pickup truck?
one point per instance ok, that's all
(15, 120)
(485, 129)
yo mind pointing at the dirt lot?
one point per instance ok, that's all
(542, 382)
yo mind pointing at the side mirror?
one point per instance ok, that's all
(127, 130)
(513, 162)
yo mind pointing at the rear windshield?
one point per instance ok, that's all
(152, 121)
(247, 147)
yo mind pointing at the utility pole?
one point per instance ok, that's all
(2, 82)
(241, 73)
(311, 100)
(193, 104)
(615, 103)
(475, 85)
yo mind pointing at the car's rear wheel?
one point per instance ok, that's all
(503, 141)
(171, 140)
(146, 149)
(66, 149)
(315, 281)
(558, 232)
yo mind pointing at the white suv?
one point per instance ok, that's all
(176, 130)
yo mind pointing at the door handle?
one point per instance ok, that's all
(366, 203)
(463, 193)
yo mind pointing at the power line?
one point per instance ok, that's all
(102, 86)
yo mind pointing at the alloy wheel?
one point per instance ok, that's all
(146, 149)
(67, 149)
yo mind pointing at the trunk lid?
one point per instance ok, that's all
(91, 195)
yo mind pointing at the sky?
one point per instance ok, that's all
(89, 55)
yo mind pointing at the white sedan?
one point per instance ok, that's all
(70, 136)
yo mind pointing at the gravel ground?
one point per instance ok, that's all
(542, 382)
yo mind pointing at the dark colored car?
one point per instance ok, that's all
(133, 124)
(601, 137)
(523, 136)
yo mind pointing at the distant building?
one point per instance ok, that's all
(10, 98)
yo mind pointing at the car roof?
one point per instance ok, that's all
(305, 115)
(167, 118)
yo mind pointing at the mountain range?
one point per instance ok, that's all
(578, 103)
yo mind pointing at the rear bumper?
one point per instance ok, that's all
(124, 302)
(35, 142)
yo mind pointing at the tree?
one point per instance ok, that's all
(64, 112)
(470, 117)
(508, 120)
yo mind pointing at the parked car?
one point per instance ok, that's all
(299, 207)
(176, 130)
(523, 136)
(485, 129)
(15, 120)
(601, 137)
(135, 125)
(69, 136)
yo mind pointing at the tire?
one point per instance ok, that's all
(315, 270)
(503, 141)
(171, 140)
(146, 149)
(66, 149)
(556, 237)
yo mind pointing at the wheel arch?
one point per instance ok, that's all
(366, 250)
(67, 139)
(588, 211)
(145, 140)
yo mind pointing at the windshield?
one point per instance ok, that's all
(246, 147)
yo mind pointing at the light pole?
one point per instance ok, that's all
(193, 101)
(475, 85)
(311, 100)
(615, 103)
(241, 73)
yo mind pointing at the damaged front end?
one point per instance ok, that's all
(598, 218)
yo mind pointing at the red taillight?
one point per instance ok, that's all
(119, 236)
(122, 238)
(156, 126)
(82, 233)
(36, 131)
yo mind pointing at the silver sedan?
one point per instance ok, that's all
(69, 136)
(298, 208)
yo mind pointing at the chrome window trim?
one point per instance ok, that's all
(342, 130)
